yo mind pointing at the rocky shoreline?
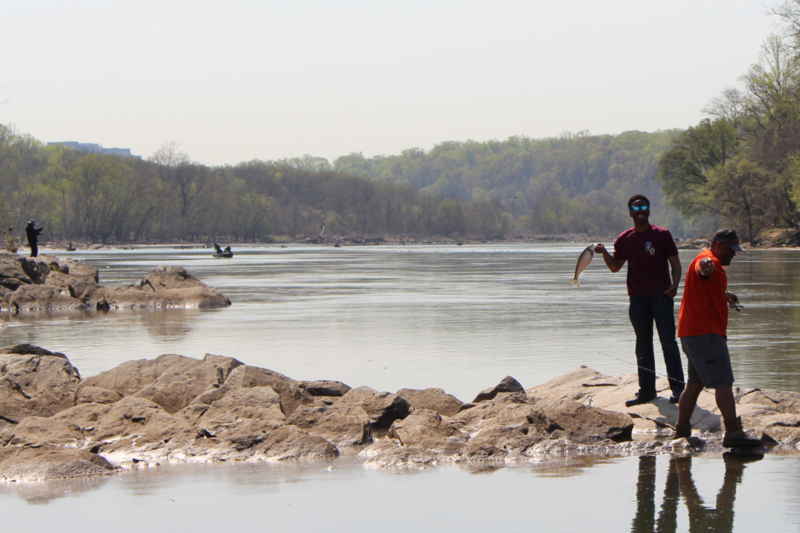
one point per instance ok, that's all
(54, 424)
(54, 284)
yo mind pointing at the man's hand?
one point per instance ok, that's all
(732, 299)
(706, 267)
(614, 265)
(672, 292)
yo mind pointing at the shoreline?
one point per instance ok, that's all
(54, 247)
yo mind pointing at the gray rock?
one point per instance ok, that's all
(166, 287)
(132, 376)
(40, 297)
(428, 430)
(41, 463)
(291, 395)
(35, 385)
(586, 425)
(509, 422)
(342, 425)
(324, 388)
(508, 384)
(383, 408)
(432, 398)
(292, 443)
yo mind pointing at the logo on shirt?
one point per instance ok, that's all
(649, 248)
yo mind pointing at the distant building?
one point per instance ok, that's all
(93, 148)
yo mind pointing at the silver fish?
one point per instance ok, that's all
(583, 263)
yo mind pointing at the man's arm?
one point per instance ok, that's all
(675, 267)
(614, 265)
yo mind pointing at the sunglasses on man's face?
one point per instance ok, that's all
(637, 208)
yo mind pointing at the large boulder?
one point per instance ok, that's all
(343, 425)
(509, 422)
(428, 430)
(172, 381)
(508, 384)
(132, 376)
(586, 425)
(383, 408)
(259, 404)
(11, 273)
(166, 287)
(434, 399)
(245, 376)
(291, 443)
(35, 382)
(40, 297)
(324, 387)
(46, 462)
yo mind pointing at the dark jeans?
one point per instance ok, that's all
(644, 310)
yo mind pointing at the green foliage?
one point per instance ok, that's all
(574, 183)
(741, 169)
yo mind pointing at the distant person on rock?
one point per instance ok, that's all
(33, 237)
(654, 274)
(702, 328)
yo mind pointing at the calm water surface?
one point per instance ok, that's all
(389, 317)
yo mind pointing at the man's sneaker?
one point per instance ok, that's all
(641, 398)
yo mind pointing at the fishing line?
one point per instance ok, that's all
(650, 370)
(640, 366)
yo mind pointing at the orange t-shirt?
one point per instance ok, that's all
(704, 307)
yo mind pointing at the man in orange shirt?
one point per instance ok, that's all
(702, 328)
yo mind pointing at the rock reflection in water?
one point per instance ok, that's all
(168, 324)
(679, 483)
(43, 493)
(569, 467)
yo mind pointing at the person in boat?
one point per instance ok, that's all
(33, 237)
(228, 250)
(217, 248)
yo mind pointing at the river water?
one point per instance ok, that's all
(456, 317)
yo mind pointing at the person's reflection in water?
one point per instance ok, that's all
(680, 483)
(645, 519)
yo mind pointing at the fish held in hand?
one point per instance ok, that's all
(583, 263)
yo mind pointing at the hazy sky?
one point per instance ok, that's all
(232, 81)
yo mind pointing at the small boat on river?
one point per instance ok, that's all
(219, 253)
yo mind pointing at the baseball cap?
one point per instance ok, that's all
(729, 237)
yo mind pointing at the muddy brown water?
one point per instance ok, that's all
(460, 318)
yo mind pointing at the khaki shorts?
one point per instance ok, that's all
(709, 360)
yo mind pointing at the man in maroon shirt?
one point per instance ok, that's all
(652, 256)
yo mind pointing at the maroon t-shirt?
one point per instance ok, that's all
(646, 254)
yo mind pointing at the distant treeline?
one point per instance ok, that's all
(743, 165)
(572, 184)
